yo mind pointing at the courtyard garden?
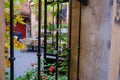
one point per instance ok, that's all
(26, 43)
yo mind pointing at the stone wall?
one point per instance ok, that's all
(95, 40)
(2, 73)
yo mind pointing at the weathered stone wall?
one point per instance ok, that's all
(2, 73)
(115, 43)
(95, 40)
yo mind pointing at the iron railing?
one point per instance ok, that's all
(70, 37)
(12, 58)
(39, 39)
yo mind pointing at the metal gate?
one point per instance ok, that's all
(55, 42)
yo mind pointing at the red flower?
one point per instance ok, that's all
(32, 64)
(51, 69)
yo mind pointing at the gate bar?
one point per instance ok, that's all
(79, 33)
(12, 58)
(50, 2)
(39, 39)
(70, 37)
(45, 28)
(60, 24)
(57, 34)
(53, 26)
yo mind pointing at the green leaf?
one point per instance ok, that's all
(22, 1)
(54, 3)
(15, 1)
(54, 13)
(35, 1)
(61, 0)
(7, 4)
(7, 35)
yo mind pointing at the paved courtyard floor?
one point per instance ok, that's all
(23, 61)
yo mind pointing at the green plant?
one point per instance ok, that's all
(7, 76)
(47, 73)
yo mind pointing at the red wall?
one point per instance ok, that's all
(21, 28)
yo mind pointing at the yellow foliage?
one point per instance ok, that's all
(19, 19)
(7, 63)
(7, 17)
(23, 47)
(7, 45)
(19, 45)
(7, 29)
(6, 55)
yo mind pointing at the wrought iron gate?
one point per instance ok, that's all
(57, 40)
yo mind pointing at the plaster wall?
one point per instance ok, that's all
(34, 24)
(95, 40)
(114, 72)
(2, 73)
